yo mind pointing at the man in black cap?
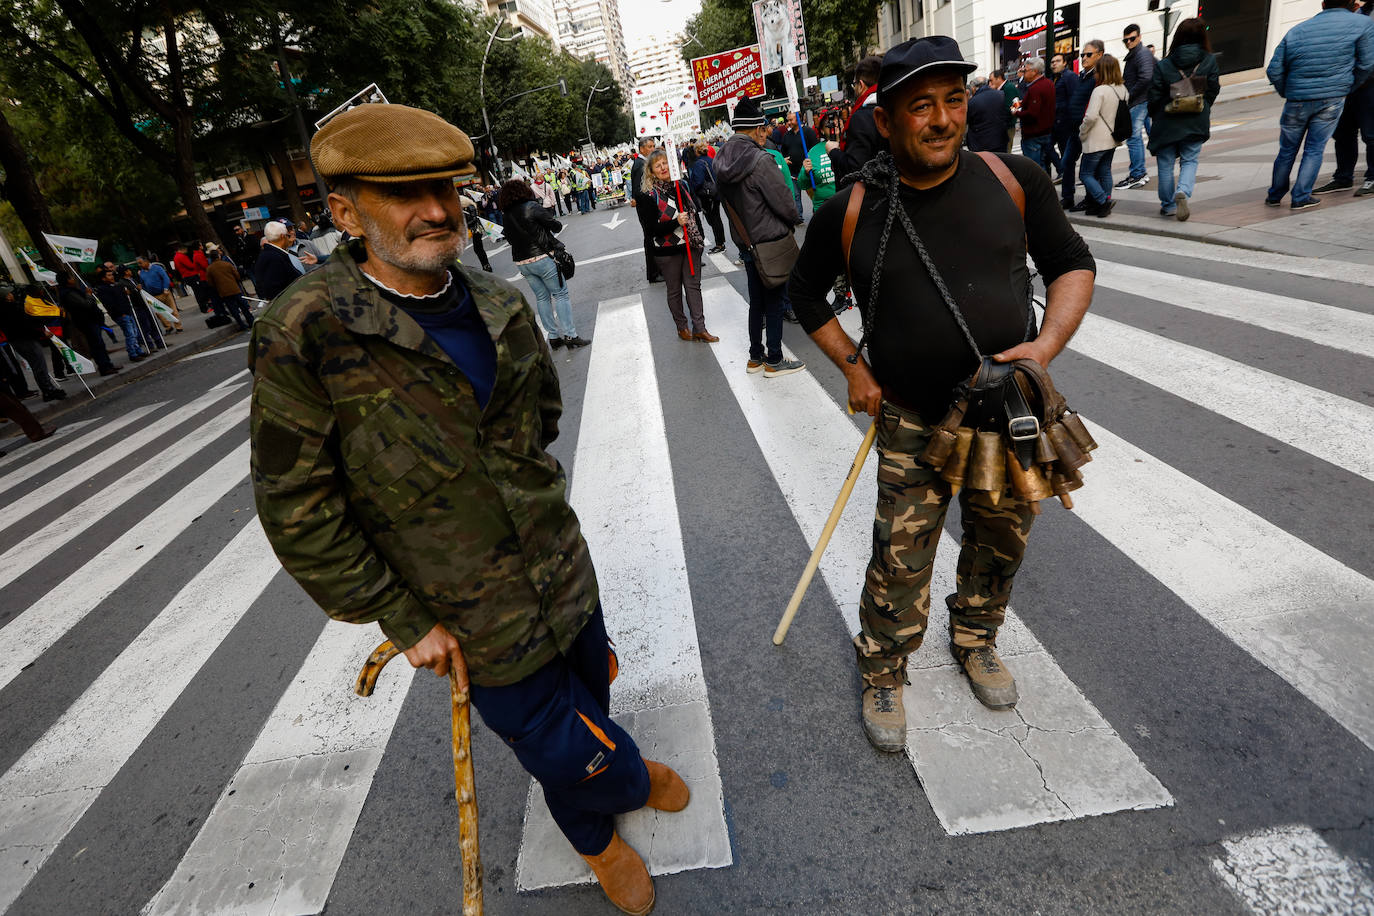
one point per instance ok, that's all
(958, 207)
(758, 201)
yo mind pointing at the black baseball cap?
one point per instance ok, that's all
(919, 55)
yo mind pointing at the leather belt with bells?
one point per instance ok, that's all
(1023, 427)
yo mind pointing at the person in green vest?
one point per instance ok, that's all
(820, 175)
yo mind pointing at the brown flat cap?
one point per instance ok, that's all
(391, 143)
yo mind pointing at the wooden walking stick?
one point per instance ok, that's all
(464, 780)
(781, 633)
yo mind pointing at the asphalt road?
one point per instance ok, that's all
(1239, 682)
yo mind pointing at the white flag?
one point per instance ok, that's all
(78, 363)
(43, 276)
(158, 306)
(73, 249)
(490, 231)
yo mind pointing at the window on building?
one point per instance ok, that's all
(894, 13)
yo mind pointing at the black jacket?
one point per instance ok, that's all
(273, 272)
(861, 143)
(116, 299)
(1137, 71)
(795, 145)
(987, 123)
(80, 306)
(530, 230)
(1078, 103)
(1065, 85)
(661, 230)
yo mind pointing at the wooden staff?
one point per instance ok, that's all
(464, 779)
(781, 632)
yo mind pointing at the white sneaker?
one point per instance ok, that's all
(1366, 189)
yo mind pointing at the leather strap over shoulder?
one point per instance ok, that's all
(1004, 175)
(851, 222)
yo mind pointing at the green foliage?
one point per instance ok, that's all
(838, 32)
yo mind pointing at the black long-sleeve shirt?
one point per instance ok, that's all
(976, 238)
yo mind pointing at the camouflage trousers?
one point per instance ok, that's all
(912, 501)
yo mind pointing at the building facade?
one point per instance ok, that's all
(533, 17)
(659, 60)
(590, 29)
(1244, 33)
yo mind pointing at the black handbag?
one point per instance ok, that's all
(563, 260)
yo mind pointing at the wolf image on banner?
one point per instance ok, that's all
(781, 38)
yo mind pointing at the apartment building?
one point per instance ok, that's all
(591, 30)
(659, 60)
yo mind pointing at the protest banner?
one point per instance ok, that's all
(727, 75)
(72, 249)
(782, 38)
(661, 109)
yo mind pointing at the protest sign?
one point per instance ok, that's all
(727, 75)
(666, 108)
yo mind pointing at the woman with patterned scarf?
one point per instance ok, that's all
(673, 224)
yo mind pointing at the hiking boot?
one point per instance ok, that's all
(1366, 189)
(555, 343)
(992, 683)
(622, 876)
(1181, 207)
(572, 343)
(1334, 185)
(754, 365)
(667, 791)
(884, 718)
(782, 367)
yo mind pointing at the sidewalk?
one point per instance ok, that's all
(1233, 177)
(195, 338)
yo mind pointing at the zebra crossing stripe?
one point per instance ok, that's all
(636, 542)
(60, 776)
(722, 261)
(1325, 425)
(1301, 613)
(42, 461)
(1328, 325)
(48, 619)
(79, 477)
(1054, 757)
(23, 450)
(1286, 871)
(275, 839)
(40, 545)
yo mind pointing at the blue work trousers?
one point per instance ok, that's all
(558, 723)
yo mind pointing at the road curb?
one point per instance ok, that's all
(1096, 223)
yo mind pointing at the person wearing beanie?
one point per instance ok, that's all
(403, 406)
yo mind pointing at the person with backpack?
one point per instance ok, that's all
(1101, 133)
(1182, 90)
(701, 177)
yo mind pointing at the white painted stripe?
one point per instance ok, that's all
(43, 543)
(636, 541)
(48, 619)
(42, 461)
(1288, 871)
(1339, 328)
(1330, 427)
(276, 837)
(1301, 613)
(1318, 268)
(1054, 757)
(78, 478)
(22, 449)
(722, 261)
(218, 350)
(241, 374)
(62, 774)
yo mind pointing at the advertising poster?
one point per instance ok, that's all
(1017, 39)
(782, 39)
(728, 74)
(661, 109)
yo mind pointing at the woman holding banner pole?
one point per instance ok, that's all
(672, 224)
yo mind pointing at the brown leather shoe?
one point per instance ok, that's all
(667, 791)
(684, 333)
(623, 877)
(705, 336)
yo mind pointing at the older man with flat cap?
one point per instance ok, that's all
(402, 411)
(972, 217)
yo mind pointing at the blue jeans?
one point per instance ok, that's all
(558, 723)
(1097, 175)
(765, 313)
(1165, 157)
(583, 204)
(1315, 120)
(550, 297)
(1039, 150)
(1072, 150)
(797, 195)
(129, 325)
(1136, 144)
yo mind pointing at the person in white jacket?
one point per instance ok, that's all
(1096, 136)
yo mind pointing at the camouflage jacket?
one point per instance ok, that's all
(391, 496)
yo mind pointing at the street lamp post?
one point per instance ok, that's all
(482, 86)
(587, 115)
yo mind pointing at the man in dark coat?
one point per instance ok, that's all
(986, 120)
(1137, 70)
(276, 268)
(860, 141)
(1065, 85)
(1078, 107)
(646, 146)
